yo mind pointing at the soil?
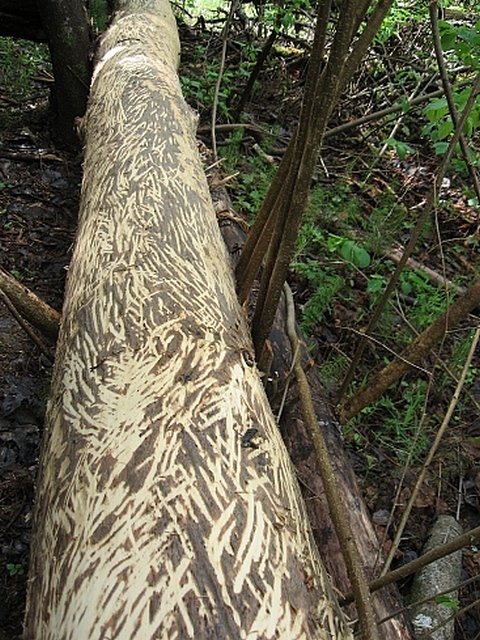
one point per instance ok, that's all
(39, 194)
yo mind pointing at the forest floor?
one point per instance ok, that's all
(39, 194)
(39, 198)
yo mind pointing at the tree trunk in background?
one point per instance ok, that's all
(21, 19)
(167, 506)
(69, 41)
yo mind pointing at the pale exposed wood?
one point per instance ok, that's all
(167, 505)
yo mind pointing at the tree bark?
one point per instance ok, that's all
(21, 19)
(167, 506)
(68, 31)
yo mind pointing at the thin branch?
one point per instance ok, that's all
(431, 453)
(469, 538)
(461, 585)
(28, 330)
(226, 28)
(433, 9)
(395, 254)
(417, 349)
(290, 198)
(427, 210)
(32, 308)
(368, 625)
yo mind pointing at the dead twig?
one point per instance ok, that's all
(469, 538)
(28, 305)
(431, 453)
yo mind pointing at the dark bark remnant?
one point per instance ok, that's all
(69, 41)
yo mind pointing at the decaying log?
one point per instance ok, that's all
(167, 505)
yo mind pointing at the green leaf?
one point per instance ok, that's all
(334, 242)
(353, 252)
(448, 601)
(436, 110)
(440, 148)
(375, 283)
(445, 129)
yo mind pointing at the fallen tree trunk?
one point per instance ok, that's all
(167, 506)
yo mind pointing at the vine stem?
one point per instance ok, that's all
(356, 573)
(226, 29)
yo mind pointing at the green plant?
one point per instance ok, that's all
(333, 369)
(439, 123)
(400, 148)
(199, 78)
(398, 18)
(98, 13)
(326, 285)
(448, 601)
(396, 423)
(19, 60)
(428, 300)
(15, 569)
(253, 179)
(350, 250)
(461, 44)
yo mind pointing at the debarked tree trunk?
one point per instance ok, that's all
(167, 506)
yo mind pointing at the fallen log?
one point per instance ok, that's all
(167, 506)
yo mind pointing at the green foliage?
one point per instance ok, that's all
(398, 428)
(439, 123)
(198, 80)
(333, 369)
(15, 569)
(457, 362)
(463, 41)
(461, 44)
(448, 601)
(350, 250)
(98, 13)
(401, 148)
(254, 178)
(428, 300)
(199, 87)
(399, 17)
(325, 284)
(19, 60)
